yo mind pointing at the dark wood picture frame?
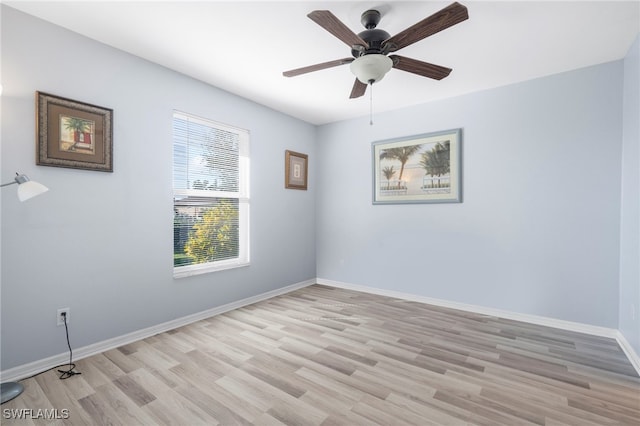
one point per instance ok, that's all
(296, 170)
(73, 134)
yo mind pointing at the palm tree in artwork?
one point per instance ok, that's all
(401, 154)
(78, 126)
(388, 173)
(437, 161)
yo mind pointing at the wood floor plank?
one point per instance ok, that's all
(126, 363)
(370, 408)
(153, 358)
(98, 410)
(327, 356)
(116, 403)
(255, 396)
(342, 390)
(557, 412)
(106, 367)
(139, 395)
(492, 411)
(209, 404)
(172, 408)
(91, 373)
(429, 415)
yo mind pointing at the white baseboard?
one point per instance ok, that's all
(634, 359)
(532, 319)
(27, 370)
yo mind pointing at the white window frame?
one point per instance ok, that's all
(243, 197)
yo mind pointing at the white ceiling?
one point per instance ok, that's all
(243, 47)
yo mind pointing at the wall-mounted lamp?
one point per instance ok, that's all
(27, 188)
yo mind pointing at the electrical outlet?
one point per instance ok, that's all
(633, 312)
(62, 313)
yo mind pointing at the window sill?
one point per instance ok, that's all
(188, 271)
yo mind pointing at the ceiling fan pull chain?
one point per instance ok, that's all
(371, 103)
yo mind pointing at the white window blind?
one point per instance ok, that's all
(210, 196)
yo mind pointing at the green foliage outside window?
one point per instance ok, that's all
(214, 236)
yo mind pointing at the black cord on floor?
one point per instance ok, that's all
(64, 374)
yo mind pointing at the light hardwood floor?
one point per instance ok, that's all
(326, 356)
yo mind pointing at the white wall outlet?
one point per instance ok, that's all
(633, 312)
(62, 312)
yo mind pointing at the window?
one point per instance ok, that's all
(210, 196)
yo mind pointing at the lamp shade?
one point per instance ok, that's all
(371, 68)
(26, 188)
(30, 189)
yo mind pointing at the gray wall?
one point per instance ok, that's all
(538, 231)
(630, 218)
(101, 243)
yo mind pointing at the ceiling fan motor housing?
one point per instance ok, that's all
(374, 37)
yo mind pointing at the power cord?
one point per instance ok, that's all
(64, 374)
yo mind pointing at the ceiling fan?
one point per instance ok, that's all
(370, 48)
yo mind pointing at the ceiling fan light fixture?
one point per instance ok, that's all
(371, 68)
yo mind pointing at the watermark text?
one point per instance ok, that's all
(40, 413)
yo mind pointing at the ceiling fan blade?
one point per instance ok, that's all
(329, 22)
(317, 67)
(445, 18)
(358, 89)
(415, 66)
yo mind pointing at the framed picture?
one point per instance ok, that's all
(73, 134)
(425, 168)
(295, 167)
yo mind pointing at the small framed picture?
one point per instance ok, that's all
(424, 168)
(295, 167)
(73, 134)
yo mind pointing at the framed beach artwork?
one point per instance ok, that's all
(73, 134)
(424, 168)
(295, 166)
